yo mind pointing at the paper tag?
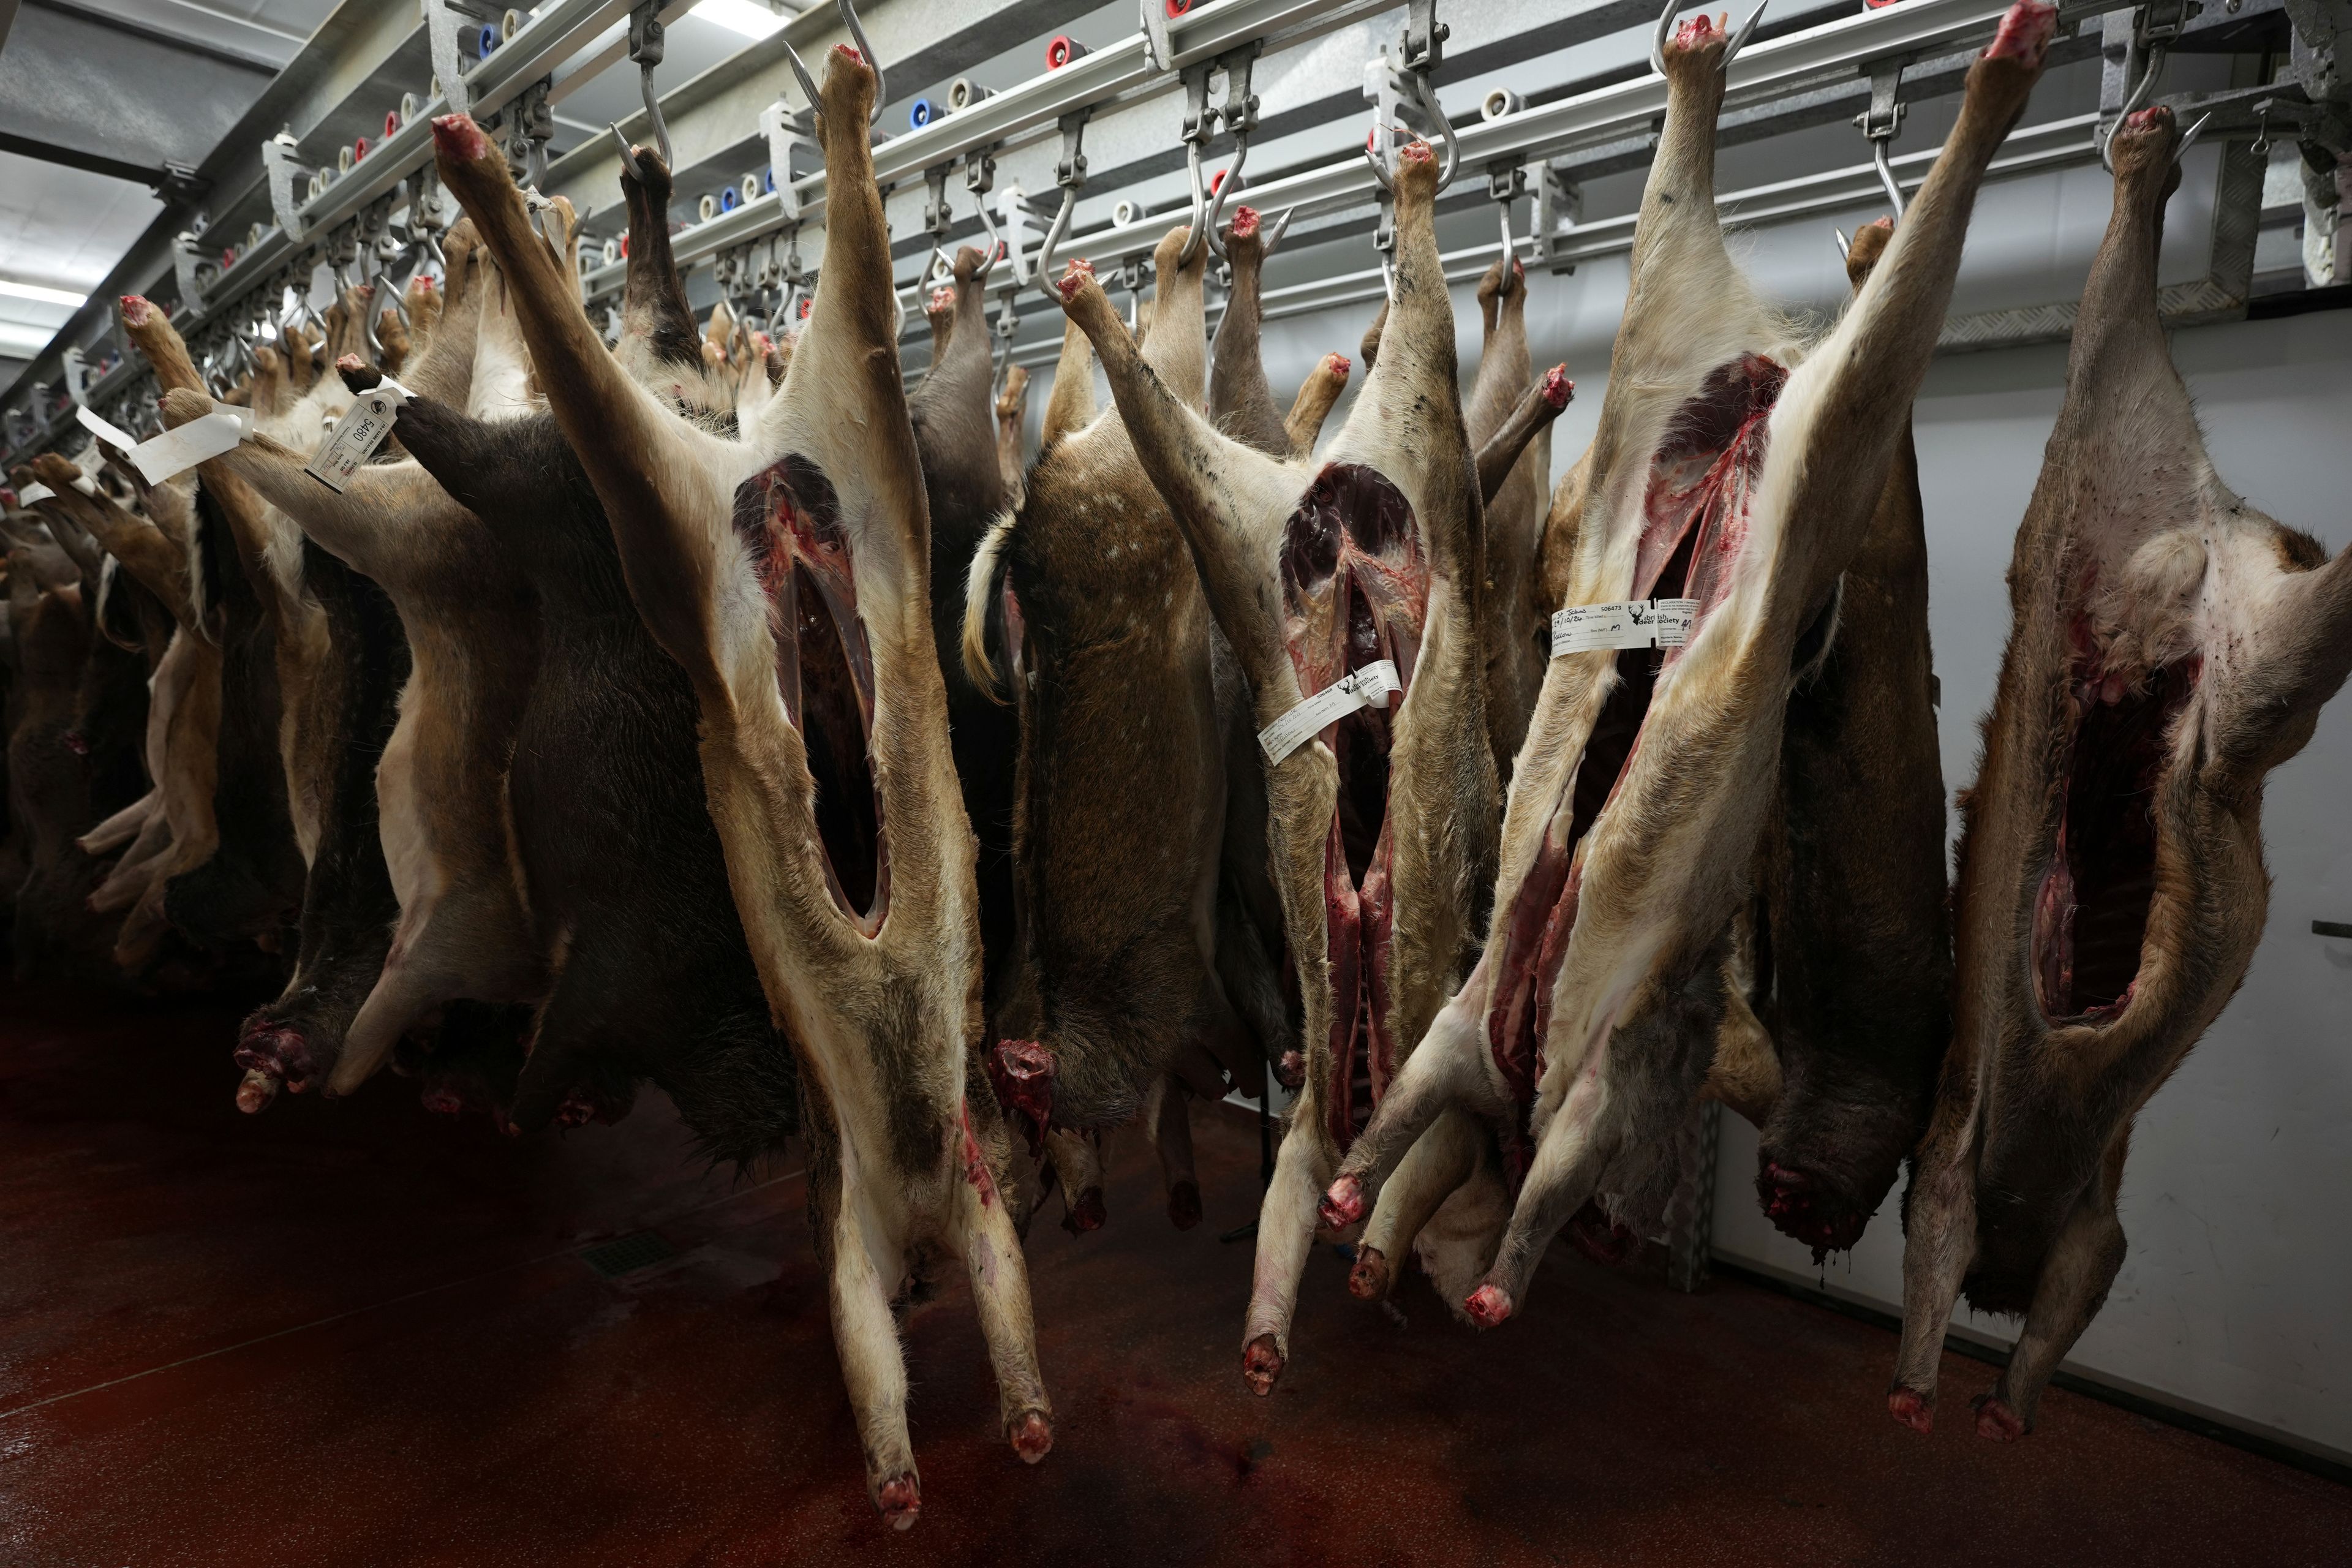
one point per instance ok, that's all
(358, 435)
(177, 451)
(1375, 683)
(105, 432)
(32, 493)
(1638, 622)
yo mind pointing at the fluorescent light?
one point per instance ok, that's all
(46, 296)
(20, 342)
(749, 17)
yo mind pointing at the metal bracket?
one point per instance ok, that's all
(189, 267)
(1241, 104)
(1425, 38)
(446, 24)
(937, 214)
(783, 134)
(1559, 207)
(1158, 52)
(289, 181)
(1070, 172)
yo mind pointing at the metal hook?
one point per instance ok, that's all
(881, 86)
(1731, 51)
(1886, 175)
(1194, 237)
(2131, 105)
(646, 48)
(1226, 185)
(1844, 246)
(2190, 135)
(801, 70)
(1273, 232)
(628, 155)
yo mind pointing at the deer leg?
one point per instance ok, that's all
(1317, 393)
(1940, 1233)
(1167, 1123)
(1573, 1150)
(1070, 407)
(2073, 1288)
(414, 981)
(1000, 1289)
(1077, 1166)
(1443, 1071)
(1286, 1234)
(873, 1365)
(1439, 1161)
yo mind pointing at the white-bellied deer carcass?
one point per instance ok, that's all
(1356, 576)
(1729, 477)
(787, 571)
(2170, 645)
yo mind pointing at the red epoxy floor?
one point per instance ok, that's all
(351, 1334)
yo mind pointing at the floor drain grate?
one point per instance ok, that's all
(629, 1255)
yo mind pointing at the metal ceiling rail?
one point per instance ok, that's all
(1797, 62)
(2031, 150)
(1030, 111)
(560, 31)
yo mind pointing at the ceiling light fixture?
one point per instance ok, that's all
(46, 296)
(749, 17)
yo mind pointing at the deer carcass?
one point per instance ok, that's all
(1120, 791)
(964, 486)
(1723, 472)
(1514, 657)
(1012, 414)
(472, 627)
(2170, 645)
(649, 972)
(1852, 980)
(786, 570)
(1326, 577)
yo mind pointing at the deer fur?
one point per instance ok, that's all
(1585, 1033)
(1257, 525)
(2170, 645)
(818, 502)
(1120, 787)
(1852, 992)
(472, 625)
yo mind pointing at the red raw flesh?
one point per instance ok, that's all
(975, 1163)
(1695, 527)
(787, 517)
(2025, 32)
(1021, 1073)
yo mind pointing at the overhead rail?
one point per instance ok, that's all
(1108, 108)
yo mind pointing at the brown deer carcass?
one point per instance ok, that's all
(1515, 655)
(1851, 981)
(963, 484)
(472, 630)
(1120, 793)
(786, 570)
(1718, 475)
(1012, 415)
(244, 578)
(649, 972)
(1327, 577)
(2170, 645)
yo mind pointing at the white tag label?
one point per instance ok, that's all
(1373, 684)
(358, 435)
(32, 493)
(1638, 622)
(177, 451)
(105, 432)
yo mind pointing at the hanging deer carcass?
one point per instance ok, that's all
(1327, 578)
(2170, 645)
(1720, 475)
(786, 570)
